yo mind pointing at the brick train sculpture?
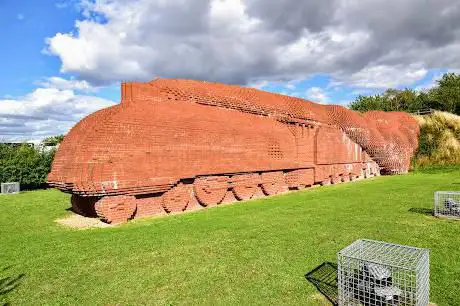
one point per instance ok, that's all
(178, 145)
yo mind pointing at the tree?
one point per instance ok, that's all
(447, 93)
(24, 164)
(363, 103)
(53, 140)
(445, 96)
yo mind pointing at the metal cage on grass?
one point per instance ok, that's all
(8, 188)
(379, 273)
(447, 204)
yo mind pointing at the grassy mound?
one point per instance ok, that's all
(249, 253)
(439, 140)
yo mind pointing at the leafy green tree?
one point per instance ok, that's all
(447, 93)
(24, 164)
(363, 103)
(53, 140)
(445, 96)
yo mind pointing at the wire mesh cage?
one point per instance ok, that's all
(447, 204)
(8, 188)
(379, 273)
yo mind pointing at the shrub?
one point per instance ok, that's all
(25, 164)
(439, 140)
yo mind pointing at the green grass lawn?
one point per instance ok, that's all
(253, 252)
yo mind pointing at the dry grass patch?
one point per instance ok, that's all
(439, 140)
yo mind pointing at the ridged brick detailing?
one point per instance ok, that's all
(245, 185)
(210, 190)
(229, 198)
(193, 204)
(273, 182)
(390, 138)
(148, 206)
(117, 209)
(300, 178)
(177, 198)
(258, 194)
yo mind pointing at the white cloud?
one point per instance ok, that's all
(430, 84)
(45, 112)
(247, 41)
(286, 86)
(384, 76)
(292, 85)
(72, 84)
(361, 91)
(456, 71)
(317, 94)
(259, 84)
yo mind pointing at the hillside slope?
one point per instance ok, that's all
(439, 140)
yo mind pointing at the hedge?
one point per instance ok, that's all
(25, 164)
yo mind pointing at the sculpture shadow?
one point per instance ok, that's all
(324, 278)
(423, 211)
(8, 284)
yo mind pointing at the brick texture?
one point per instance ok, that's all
(177, 145)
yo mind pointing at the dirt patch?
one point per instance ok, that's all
(80, 222)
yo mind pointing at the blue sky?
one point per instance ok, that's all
(25, 26)
(64, 59)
